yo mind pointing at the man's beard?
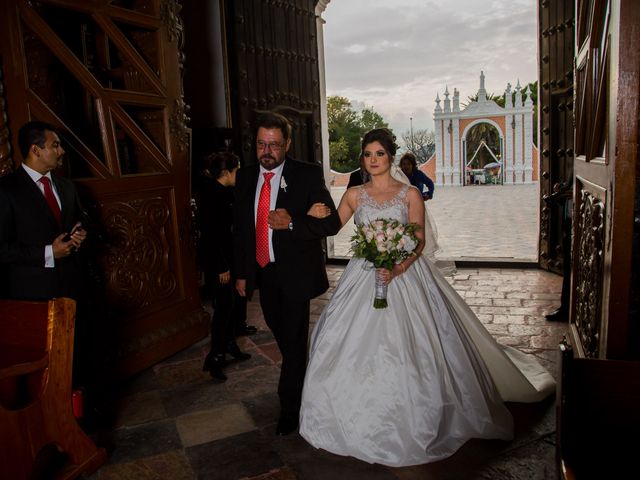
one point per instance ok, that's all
(269, 161)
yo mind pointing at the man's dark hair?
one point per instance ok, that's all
(274, 120)
(32, 133)
(217, 163)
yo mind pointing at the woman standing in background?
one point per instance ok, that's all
(214, 201)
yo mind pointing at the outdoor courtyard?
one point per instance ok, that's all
(483, 222)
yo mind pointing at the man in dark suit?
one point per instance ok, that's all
(278, 250)
(358, 177)
(40, 221)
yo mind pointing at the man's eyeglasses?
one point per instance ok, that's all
(273, 146)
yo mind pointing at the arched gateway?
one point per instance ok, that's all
(514, 124)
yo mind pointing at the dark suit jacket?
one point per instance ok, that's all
(26, 227)
(214, 217)
(299, 258)
(355, 178)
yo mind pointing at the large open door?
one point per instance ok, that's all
(589, 74)
(273, 55)
(607, 71)
(108, 74)
(555, 97)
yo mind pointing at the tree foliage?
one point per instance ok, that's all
(479, 133)
(346, 128)
(422, 143)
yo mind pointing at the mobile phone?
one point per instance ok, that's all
(67, 237)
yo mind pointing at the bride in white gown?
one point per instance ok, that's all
(410, 383)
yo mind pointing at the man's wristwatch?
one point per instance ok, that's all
(291, 225)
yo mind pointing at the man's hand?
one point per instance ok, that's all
(224, 277)
(279, 219)
(61, 248)
(241, 287)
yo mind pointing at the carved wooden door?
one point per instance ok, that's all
(556, 44)
(607, 69)
(275, 67)
(107, 73)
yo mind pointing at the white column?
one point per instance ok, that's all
(456, 152)
(447, 152)
(528, 147)
(518, 159)
(439, 152)
(528, 138)
(324, 122)
(508, 160)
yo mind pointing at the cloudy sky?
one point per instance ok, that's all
(396, 55)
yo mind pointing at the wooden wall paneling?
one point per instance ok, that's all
(114, 88)
(6, 160)
(607, 83)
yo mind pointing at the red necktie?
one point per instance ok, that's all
(262, 226)
(50, 198)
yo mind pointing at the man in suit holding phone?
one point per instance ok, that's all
(40, 221)
(278, 249)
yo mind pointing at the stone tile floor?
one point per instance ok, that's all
(172, 422)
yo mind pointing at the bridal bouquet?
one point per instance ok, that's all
(384, 243)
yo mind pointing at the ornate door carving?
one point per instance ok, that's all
(108, 74)
(607, 68)
(556, 26)
(275, 49)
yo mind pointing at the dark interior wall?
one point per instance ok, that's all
(205, 79)
(204, 74)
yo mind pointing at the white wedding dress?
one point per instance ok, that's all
(411, 383)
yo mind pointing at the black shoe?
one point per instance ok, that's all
(246, 329)
(235, 352)
(213, 364)
(286, 425)
(558, 315)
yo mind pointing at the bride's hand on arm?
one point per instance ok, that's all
(319, 210)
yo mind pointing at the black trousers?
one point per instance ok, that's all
(222, 297)
(288, 319)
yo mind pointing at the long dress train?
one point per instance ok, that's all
(411, 383)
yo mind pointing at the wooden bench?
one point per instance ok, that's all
(39, 436)
(598, 417)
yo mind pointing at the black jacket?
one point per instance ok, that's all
(214, 203)
(299, 258)
(26, 227)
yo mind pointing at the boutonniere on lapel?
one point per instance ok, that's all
(283, 184)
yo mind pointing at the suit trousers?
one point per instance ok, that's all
(221, 322)
(288, 319)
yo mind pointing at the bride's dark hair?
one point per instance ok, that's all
(385, 137)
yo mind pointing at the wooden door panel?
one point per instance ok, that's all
(607, 68)
(556, 23)
(276, 68)
(589, 233)
(108, 74)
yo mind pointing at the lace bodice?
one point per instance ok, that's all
(369, 210)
